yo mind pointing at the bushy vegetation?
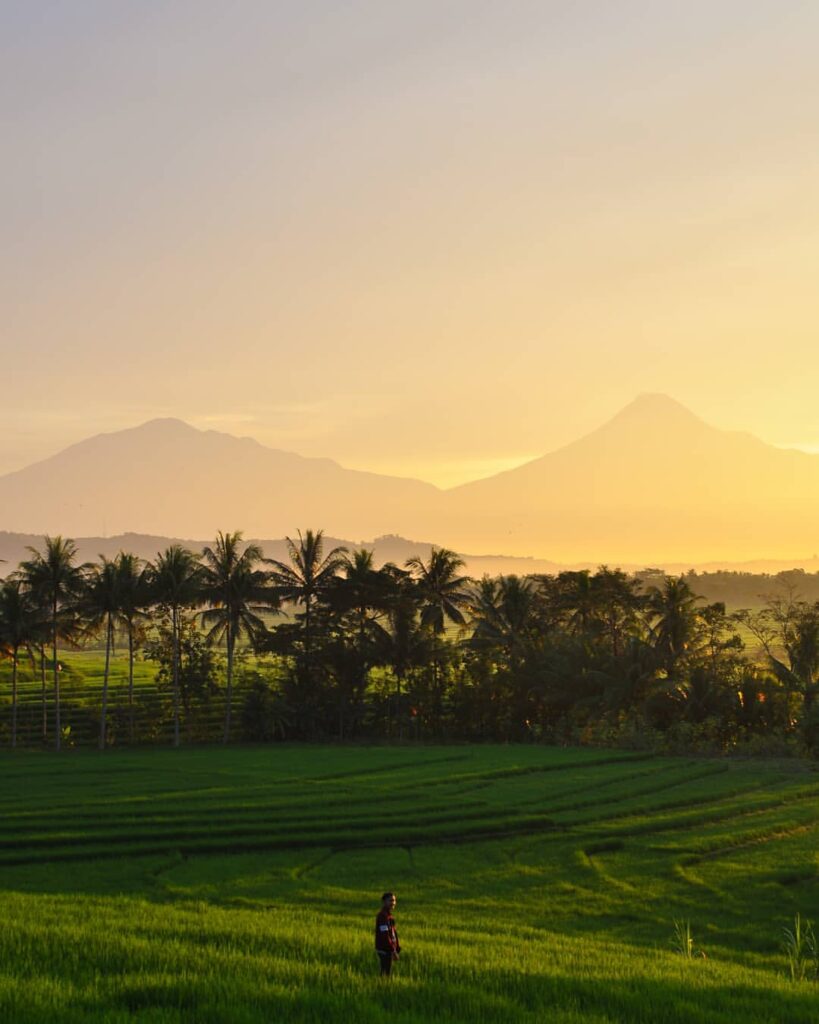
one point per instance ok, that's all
(240, 884)
(227, 644)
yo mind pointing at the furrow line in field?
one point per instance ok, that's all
(243, 844)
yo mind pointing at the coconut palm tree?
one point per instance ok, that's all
(17, 632)
(673, 614)
(55, 582)
(134, 597)
(502, 614)
(98, 606)
(443, 593)
(307, 578)
(175, 579)
(358, 600)
(800, 640)
(577, 596)
(359, 588)
(360, 596)
(235, 592)
(403, 642)
(618, 606)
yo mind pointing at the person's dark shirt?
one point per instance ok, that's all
(386, 937)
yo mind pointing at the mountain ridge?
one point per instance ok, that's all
(148, 427)
(653, 484)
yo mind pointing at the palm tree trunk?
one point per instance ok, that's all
(175, 631)
(230, 643)
(106, 672)
(14, 698)
(363, 671)
(308, 665)
(130, 683)
(436, 693)
(398, 680)
(44, 698)
(308, 642)
(57, 724)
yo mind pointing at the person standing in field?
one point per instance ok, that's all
(387, 945)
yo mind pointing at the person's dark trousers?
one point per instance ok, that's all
(386, 963)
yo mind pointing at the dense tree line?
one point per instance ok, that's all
(329, 646)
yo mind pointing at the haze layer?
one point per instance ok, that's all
(654, 484)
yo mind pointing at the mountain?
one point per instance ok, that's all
(654, 485)
(168, 478)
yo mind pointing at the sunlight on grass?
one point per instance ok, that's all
(533, 884)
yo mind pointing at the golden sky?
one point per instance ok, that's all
(427, 238)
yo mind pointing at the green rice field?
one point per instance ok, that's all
(81, 694)
(534, 884)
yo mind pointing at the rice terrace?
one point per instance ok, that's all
(568, 885)
(409, 512)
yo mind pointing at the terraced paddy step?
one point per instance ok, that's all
(534, 884)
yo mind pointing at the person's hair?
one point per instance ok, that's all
(387, 896)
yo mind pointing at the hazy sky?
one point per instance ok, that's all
(428, 238)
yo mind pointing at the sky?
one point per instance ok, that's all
(433, 239)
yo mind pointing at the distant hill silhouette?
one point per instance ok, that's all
(654, 485)
(14, 548)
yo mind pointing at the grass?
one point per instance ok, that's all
(801, 950)
(240, 885)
